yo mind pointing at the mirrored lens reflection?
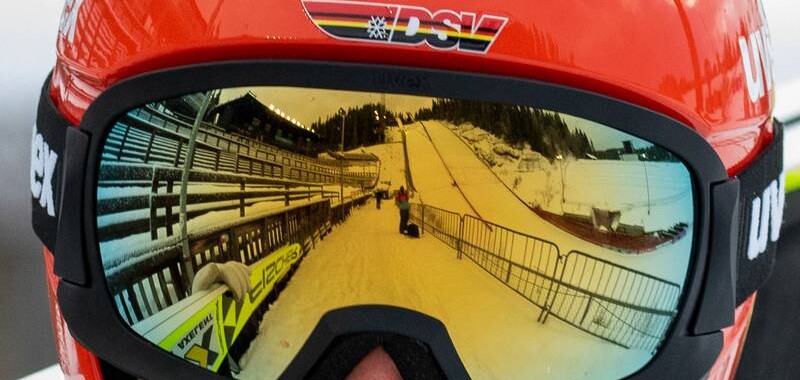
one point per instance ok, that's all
(549, 245)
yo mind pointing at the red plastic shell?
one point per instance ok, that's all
(682, 58)
(76, 362)
(735, 336)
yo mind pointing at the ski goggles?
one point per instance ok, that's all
(280, 219)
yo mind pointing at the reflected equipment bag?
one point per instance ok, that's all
(412, 230)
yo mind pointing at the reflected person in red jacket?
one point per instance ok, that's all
(401, 201)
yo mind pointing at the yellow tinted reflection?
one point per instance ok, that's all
(549, 245)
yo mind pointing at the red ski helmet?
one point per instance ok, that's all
(663, 82)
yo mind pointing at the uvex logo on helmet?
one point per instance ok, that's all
(404, 24)
(755, 53)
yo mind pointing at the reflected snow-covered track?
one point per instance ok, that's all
(497, 203)
(384, 267)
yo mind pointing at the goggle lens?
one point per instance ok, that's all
(230, 221)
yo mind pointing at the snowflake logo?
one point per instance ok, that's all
(376, 28)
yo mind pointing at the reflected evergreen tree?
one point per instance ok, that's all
(364, 126)
(546, 132)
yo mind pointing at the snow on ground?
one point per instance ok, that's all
(105, 193)
(497, 204)
(607, 184)
(193, 188)
(598, 183)
(493, 329)
(434, 184)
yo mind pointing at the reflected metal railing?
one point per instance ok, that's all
(620, 305)
(154, 277)
(613, 302)
(145, 136)
(522, 262)
(153, 206)
(249, 146)
(143, 286)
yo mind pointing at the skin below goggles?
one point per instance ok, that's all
(246, 220)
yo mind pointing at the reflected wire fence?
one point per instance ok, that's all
(620, 305)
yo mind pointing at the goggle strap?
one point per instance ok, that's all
(762, 197)
(47, 168)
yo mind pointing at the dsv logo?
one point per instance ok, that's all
(766, 217)
(43, 166)
(442, 29)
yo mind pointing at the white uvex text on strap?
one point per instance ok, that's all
(43, 165)
(766, 217)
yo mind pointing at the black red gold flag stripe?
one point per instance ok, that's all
(403, 24)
